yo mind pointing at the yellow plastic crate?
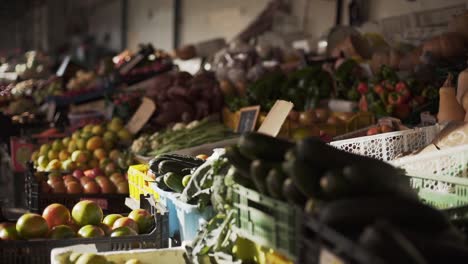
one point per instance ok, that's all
(137, 182)
(354, 122)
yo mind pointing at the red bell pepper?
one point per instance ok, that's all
(362, 88)
(378, 89)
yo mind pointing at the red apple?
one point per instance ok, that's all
(78, 174)
(97, 172)
(90, 174)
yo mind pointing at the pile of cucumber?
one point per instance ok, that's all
(366, 200)
(172, 172)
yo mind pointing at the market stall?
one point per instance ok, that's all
(266, 154)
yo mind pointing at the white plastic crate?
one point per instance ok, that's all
(447, 162)
(145, 256)
(388, 145)
(440, 178)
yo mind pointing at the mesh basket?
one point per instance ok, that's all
(448, 162)
(440, 177)
(387, 146)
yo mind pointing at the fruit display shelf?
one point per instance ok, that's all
(38, 251)
(36, 200)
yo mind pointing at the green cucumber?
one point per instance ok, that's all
(305, 177)
(334, 185)
(173, 166)
(241, 163)
(186, 160)
(161, 184)
(292, 194)
(260, 146)
(357, 213)
(274, 183)
(174, 181)
(259, 171)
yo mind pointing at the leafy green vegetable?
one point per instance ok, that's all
(346, 76)
(304, 88)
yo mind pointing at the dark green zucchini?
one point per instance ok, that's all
(161, 184)
(173, 166)
(274, 183)
(186, 160)
(174, 181)
(258, 172)
(357, 213)
(264, 147)
(241, 163)
(292, 194)
(305, 177)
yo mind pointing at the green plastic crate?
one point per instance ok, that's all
(266, 221)
(441, 192)
(439, 177)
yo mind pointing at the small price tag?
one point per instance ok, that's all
(275, 118)
(248, 119)
(141, 116)
(103, 203)
(326, 257)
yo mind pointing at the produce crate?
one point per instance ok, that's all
(190, 218)
(321, 244)
(37, 201)
(387, 146)
(145, 256)
(266, 221)
(38, 251)
(137, 183)
(357, 121)
(164, 199)
(439, 177)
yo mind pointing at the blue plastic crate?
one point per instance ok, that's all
(190, 218)
(166, 201)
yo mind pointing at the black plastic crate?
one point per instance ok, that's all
(38, 251)
(36, 201)
(321, 244)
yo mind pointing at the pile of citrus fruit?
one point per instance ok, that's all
(86, 220)
(87, 162)
(93, 146)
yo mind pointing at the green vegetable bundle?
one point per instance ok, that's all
(194, 134)
(304, 88)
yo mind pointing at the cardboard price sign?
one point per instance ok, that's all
(141, 116)
(248, 119)
(275, 118)
(326, 257)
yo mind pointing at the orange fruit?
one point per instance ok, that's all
(52, 154)
(62, 232)
(31, 226)
(90, 231)
(100, 153)
(87, 213)
(56, 214)
(94, 163)
(63, 155)
(94, 143)
(114, 155)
